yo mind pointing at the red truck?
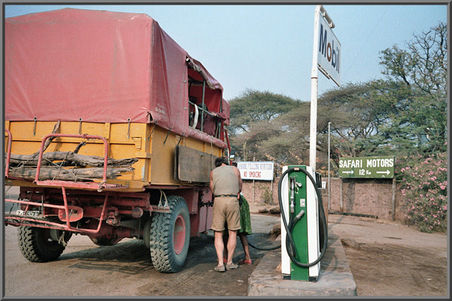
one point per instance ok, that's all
(111, 131)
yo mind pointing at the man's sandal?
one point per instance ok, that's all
(220, 268)
(231, 266)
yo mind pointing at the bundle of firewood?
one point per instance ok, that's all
(68, 166)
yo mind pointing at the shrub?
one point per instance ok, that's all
(267, 196)
(424, 187)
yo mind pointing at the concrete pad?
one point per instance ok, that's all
(335, 278)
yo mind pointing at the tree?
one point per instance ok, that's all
(419, 121)
(404, 114)
(248, 144)
(424, 63)
(255, 106)
(285, 138)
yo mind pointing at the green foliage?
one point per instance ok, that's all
(423, 64)
(356, 115)
(267, 196)
(424, 187)
(254, 106)
(417, 93)
(248, 143)
(405, 114)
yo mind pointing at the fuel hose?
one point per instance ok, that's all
(290, 245)
(264, 249)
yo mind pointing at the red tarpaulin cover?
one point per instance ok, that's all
(100, 66)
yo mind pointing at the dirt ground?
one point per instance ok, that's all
(386, 259)
(390, 270)
(125, 269)
(390, 259)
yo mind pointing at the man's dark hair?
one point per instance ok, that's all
(220, 160)
(234, 163)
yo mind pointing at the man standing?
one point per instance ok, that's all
(225, 184)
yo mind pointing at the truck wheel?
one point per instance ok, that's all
(170, 236)
(37, 245)
(147, 233)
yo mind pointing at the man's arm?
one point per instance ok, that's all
(237, 172)
(211, 182)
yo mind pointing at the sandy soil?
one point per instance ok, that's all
(126, 269)
(389, 259)
(386, 259)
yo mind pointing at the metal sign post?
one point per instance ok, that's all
(314, 91)
(325, 57)
(329, 169)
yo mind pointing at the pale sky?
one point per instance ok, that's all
(269, 47)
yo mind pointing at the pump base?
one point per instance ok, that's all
(289, 277)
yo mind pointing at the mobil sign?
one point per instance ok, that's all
(328, 50)
(262, 170)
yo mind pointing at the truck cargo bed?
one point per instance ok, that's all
(159, 157)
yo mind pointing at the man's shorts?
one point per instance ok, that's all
(226, 210)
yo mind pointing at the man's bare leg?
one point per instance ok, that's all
(219, 246)
(232, 242)
(225, 242)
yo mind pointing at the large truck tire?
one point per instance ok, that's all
(37, 245)
(170, 236)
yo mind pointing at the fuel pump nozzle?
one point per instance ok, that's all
(294, 185)
(292, 194)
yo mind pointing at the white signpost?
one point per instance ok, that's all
(326, 53)
(262, 170)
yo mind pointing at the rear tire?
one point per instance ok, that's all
(37, 245)
(170, 236)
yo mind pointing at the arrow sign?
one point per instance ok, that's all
(367, 167)
(387, 172)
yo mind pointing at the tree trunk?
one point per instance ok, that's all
(73, 174)
(71, 158)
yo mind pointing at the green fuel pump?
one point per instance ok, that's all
(304, 238)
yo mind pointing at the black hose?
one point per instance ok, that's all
(264, 249)
(290, 245)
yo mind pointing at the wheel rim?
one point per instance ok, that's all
(179, 234)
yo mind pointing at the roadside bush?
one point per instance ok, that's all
(267, 196)
(424, 187)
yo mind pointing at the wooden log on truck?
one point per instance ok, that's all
(71, 158)
(72, 174)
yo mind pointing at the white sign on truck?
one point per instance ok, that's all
(262, 170)
(329, 50)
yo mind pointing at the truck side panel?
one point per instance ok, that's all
(153, 146)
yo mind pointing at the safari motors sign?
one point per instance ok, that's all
(367, 167)
(329, 50)
(262, 170)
